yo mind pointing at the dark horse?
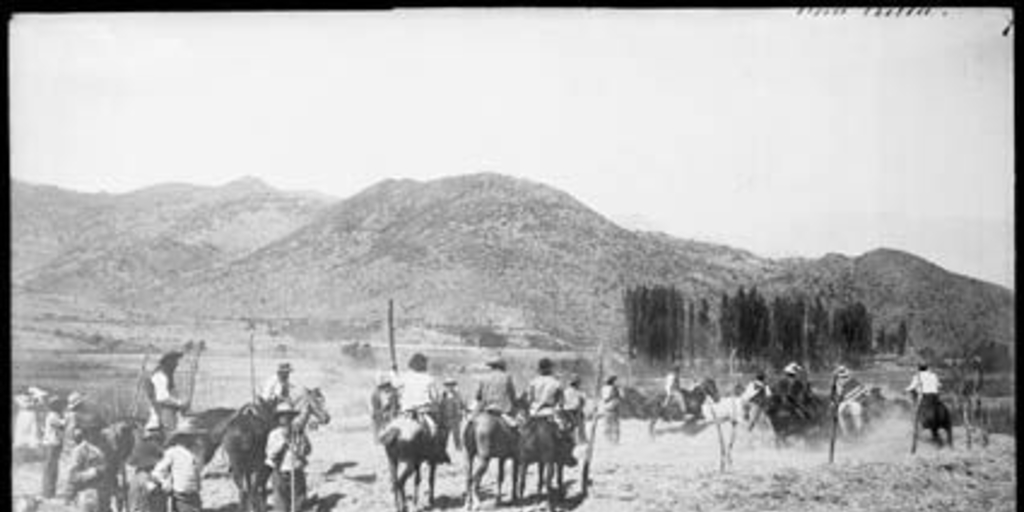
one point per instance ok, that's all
(243, 436)
(541, 443)
(661, 408)
(406, 439)
(806, 418)
(487, 436)
(935, 416)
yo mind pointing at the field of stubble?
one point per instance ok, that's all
(675, 472)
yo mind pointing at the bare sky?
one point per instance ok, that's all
(785, 135)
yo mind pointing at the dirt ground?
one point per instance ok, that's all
(675, 472)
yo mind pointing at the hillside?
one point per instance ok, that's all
(475, 250)
(107, 247)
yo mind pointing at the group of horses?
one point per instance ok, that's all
(241, 434)
(768, 406)
(486, 436)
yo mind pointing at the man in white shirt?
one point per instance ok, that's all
(419, 397)
(166, 405)
(673, 387)
(278, 388)
(179, 471)
(925, 384)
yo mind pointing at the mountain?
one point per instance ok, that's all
(106, 246)
(461, 252)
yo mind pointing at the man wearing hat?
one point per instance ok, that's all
(751, 411)
(925, 384)
(496, 392)
(574, 402)
(849, 394)
(452, 408)
(77, 407)
(287, 453)
(794, 390)
(611, 398)
(143, 489)
(278, 388)
(179, 469)
(546, 398)
(166, 405)
(87, 473)
(420, 398)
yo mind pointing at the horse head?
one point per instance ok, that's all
(313, 405)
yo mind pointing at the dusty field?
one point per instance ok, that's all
(674, 472)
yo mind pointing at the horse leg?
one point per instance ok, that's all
(549, 474)
(540, 478)
(430, 498)
(476, 477)
(501, 479)
(400, 485)
(732, 441)
(469, 481)
(396, 491)
(516, 494)
(243, 497)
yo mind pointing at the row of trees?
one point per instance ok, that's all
(664, 326)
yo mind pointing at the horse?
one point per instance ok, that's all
(487, 436)
(118, 441)
(383, 409)
(693, 400)
(242, 434)
(935, 416)
(787, 419)
(407, 440)
(540, 443)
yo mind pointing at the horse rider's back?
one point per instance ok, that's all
(496, 392)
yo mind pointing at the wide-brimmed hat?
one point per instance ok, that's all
(75, 398)
(842, 372)
(383, 379)
(545, 364)
(38, 393)
(186, 427)
(791, 369)
(611, 379)
(173, 355)
(284, 368)
(450, 381)
(760, 375)
(575, 379)
(285, 408)
(145, 455)
(418, 362)
(496, 362)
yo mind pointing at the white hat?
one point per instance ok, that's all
(791, 368)
(383, 378)
(842, 372)
(35, 392)
(75, 398)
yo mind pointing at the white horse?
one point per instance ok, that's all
(851, 418)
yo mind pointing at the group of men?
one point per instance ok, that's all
(417, 395)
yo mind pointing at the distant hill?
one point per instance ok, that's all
(459, 252)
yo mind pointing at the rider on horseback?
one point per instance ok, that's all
(926, 384)
(279, 388)
(795, 391)
(496, 392)
(848, 389)
(674, 388)
(547, 400)
(419, 396)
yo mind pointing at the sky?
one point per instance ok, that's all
(782, 134)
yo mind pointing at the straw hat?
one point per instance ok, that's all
(284, 368)
(75, 399)
(450, 381)
(791, 369)
(611, 379)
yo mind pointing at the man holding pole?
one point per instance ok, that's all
(278, 388)
(287, 453)
(166, 405)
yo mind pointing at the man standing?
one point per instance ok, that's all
(87, 476)
(287, 453)
(574, 403)
(611, 399)
(278, 388)
(53, 437)
(496, 392)
(166, 405)
(453, 407)
(179, 471)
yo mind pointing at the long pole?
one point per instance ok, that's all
(195, 370)
(139, 382)
(593, 424)
(252, 359)
(391, 334)
(917, 411)
(835, 420)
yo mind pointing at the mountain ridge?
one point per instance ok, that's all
(477, 249)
